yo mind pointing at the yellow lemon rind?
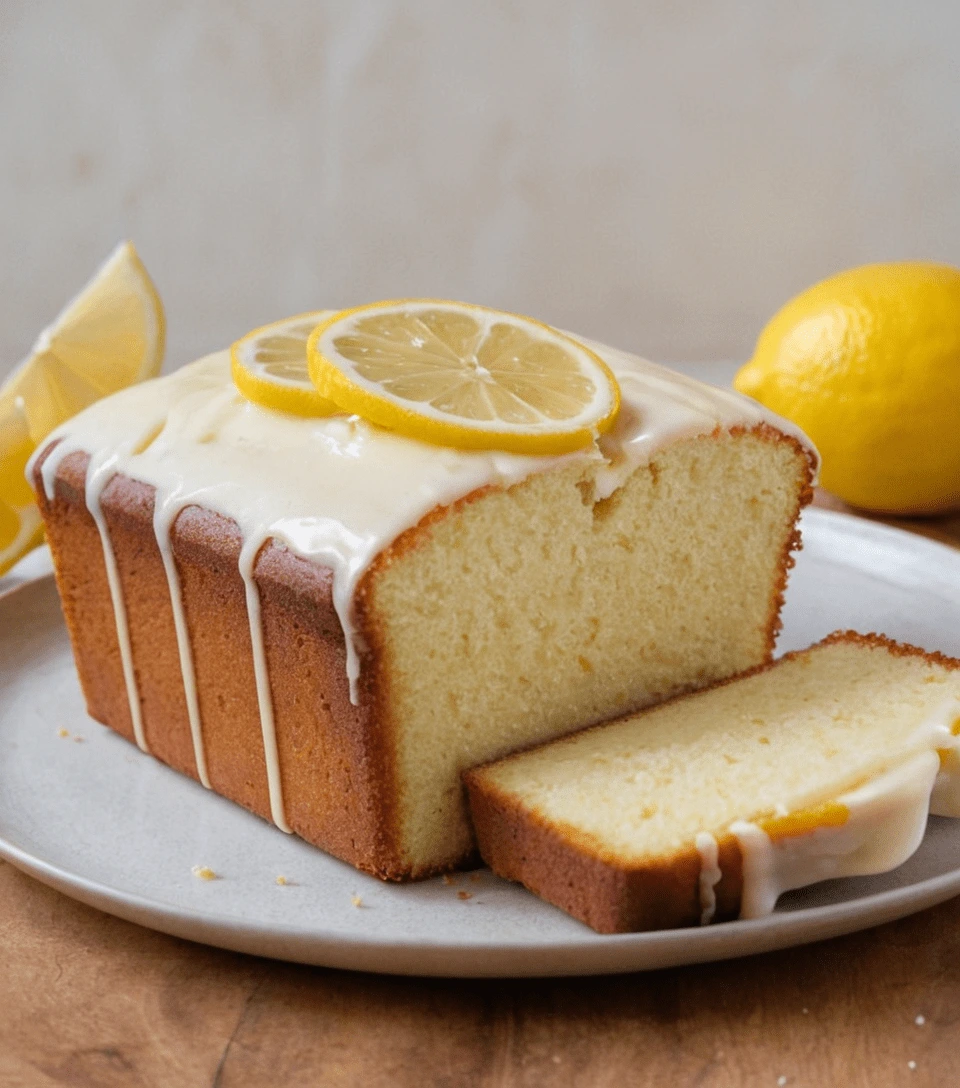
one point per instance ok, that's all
(153, 361)
(355, 399)
(76, 310)
(867, 362)
(307, 403)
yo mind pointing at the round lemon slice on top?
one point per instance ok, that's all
(110, 336)
(464, 376)
(269, 366)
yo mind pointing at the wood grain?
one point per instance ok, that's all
(87, 1000)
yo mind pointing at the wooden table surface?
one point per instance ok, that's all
(88, 1000)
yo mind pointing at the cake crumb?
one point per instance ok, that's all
(448, 879)
(911, 1065)
(920, 1021)
(61, 732)
(282, 881)
(356, 901)
(464, 895)
(203, 872)
(79, 740)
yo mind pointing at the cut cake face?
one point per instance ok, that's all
(531, 612)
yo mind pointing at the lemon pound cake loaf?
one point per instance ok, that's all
(328, 621)
(708, 807)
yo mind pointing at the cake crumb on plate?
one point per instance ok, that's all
(61, 732)
(356, 900)
(203, 872)
(464, 895)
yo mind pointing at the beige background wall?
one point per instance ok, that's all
(661, 175)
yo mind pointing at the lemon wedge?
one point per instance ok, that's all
(110, 336)
(20, 528)
(269, 366)
(463, 376)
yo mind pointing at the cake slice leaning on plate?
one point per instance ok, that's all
(328, 622)
(823, 764)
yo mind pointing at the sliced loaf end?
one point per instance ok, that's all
(605, 824)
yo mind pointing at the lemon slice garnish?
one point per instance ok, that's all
(110, 336)
(463, 376)
(269, 366)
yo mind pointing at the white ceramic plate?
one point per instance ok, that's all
(111, 827)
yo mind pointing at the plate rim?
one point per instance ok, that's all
(528, 957)
(233, 934)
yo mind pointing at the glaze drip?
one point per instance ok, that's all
(710, 875)
(335, 490)
(164, 515)
(886, 820)
(100, 472)
(248, 557)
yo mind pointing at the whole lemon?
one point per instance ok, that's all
(868, 364)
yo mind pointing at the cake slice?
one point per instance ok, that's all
(327, 622)
(708, 807)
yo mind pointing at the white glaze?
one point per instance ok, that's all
(336, 490)
(248, 557)
(885, 825)
(945, 800)
(710, 875)
(101, 470)
(165, 513)
(941, 733)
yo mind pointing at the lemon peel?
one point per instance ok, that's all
(868, 364)
(465, 376)
(269, 366)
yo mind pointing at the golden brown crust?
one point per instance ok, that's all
(793, 542)
(334, 758)
(562, 866)
(898, 649)
(84, 593)
(577, 873)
